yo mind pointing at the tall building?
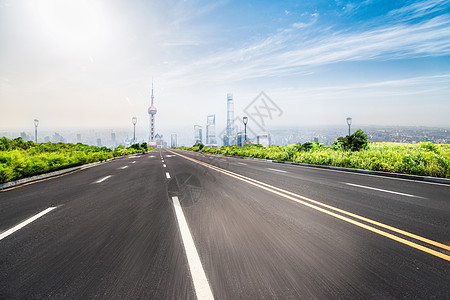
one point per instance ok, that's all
(230, 119)
(198, 134)
(159, 141)
(173, 140)
(152, 113)
(240, 139)
(211, 140)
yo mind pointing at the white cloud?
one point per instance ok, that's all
(297, 51)
(420, 9)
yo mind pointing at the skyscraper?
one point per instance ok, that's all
(211, 140)
(240, 139)
(229, 138)
(152, 113)
(198, 134)
(173, 140)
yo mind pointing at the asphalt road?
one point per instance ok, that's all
(252, 230)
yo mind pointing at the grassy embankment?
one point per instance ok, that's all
(19, 159)
(426, 159)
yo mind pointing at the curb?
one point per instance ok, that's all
(350, 170)
(59, 172)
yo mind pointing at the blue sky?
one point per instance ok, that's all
(91, 63)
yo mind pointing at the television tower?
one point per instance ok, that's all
(152, 113)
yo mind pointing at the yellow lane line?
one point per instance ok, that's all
(283, 193)
(411, 235)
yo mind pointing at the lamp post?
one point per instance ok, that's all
(245, 121)
(134, 121)
(349, 122)
(36, 123)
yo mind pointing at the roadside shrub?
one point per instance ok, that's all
(418, 159)
(19, 159)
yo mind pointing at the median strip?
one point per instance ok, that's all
(328, 209)
(201, 285)
(26, 222)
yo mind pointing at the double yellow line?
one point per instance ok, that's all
(339, 213)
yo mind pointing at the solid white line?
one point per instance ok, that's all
(386, 191)
(164, 165)
(167, 175)
(26, 222)
(242, 164)
(201, 285)
(103, 179)
(151, 156)
(124, 167)
(277, 170)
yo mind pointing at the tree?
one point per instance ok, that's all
(144, 146)
(355, 142)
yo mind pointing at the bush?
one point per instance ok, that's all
(354, 152)
(19, 159)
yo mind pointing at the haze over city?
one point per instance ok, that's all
(90, 64)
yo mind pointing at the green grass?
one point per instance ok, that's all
(19, 159)
(425, 159)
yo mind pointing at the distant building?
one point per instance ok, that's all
(263, 139)
(197, 134)
(99, 142)
(173, 140)
(211, 140)
(240, 139)
(316, 140)
(113, 139)
(57, 138)
(25, 136)
(159, 141)
(78, 138)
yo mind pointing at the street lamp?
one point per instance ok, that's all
(134, 121)
(36, 123)
(245, 121)
(349, 122)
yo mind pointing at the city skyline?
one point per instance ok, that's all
(89, 64)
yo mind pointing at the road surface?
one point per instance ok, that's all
(176, 224)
